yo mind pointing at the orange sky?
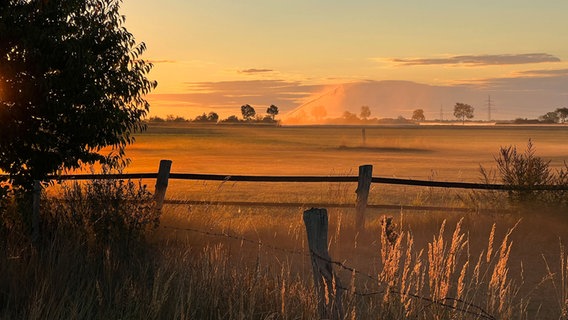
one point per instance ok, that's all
(217, 55)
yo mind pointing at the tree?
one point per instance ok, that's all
(365, 112)
(418, 115)
(248, 112)
(272, 111)
(201, 118)
(212, 117)
(463, 111)
(550, 117)
(72, 84)
(350, 117)
(232, 119)
(562, 114)
(176, 118)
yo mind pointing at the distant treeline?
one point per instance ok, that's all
(248, 112)
(212, 118)
(249, 116)
(560, 115)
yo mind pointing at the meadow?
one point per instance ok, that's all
(252, 262)
(444, 153)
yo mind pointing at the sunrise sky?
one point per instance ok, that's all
(216, 55)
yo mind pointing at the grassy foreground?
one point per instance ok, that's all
(103, 256)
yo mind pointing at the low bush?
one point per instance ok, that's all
(526, 172)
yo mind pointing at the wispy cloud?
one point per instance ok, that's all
(551, 73)
(230, 95)
(255, 71)
(480, 60)
(156, 61)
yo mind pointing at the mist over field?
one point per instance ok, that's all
(453, 152)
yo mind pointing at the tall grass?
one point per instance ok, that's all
(103, 258)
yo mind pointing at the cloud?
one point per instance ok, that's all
(528, 93)
(480, 60)
(228, 96)
(254, 71)
(162, 61)
(551, 73)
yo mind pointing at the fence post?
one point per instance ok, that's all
(327, 284)
(363, 187)
(36, 201)
(162, 183)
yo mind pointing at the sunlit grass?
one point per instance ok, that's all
(238, 262)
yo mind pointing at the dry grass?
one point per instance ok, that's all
(228, 262)
(219, 263)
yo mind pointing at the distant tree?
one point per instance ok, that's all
(267, 119)
(418, 115)
(248, 112)
(463, 111)
(272, 111)
(232, 119)
(550, 117)
(72, 83)
(365, 112)
(200, 118)
(562, 114)
(156, 119)
(348, 116)
(172, 118)
(212, 117)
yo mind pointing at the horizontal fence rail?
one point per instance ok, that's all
(305, 179)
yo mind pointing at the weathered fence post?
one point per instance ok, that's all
(162, 183)
(363, 187)
(36, 202)
(327, 284)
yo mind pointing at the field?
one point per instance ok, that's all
(437, 153)
(252, 262)
(443, 153)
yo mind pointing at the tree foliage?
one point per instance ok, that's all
(463, 111)
(72, 82)
(562, 114)
(248, 112)
(272, 111)
(213, 117)
(418, 115)
(550, 117)
(365, 112)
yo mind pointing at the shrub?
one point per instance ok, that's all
(109, 215)
(525, 171)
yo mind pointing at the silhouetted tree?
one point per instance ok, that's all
(550, 117)
(365, 112)
(212, 117)
(272, 111)
(72, 84)
(200, 118)
(463, 111)
(232, 119)
(174, 118)
(156, 119)
(248, 112)
(348, 116)
(562, 114)
(418, 115)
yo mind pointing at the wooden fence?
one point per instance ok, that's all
(364, 181)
